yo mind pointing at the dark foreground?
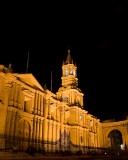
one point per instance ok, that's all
(25, 156)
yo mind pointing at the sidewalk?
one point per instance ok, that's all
(22, 155)
(25, 156)
(10, 155)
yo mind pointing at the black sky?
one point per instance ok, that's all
(97, 35)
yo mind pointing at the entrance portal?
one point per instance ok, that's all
(24, 135)
(115, 139)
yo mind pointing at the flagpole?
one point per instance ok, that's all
(51, 80)
(27, 62)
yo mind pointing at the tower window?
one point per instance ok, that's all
(70, 71)
(81, 116)
(66, 71)
(74, 73)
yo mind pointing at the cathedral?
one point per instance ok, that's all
(33, 116)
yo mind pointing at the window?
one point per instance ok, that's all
(70, 71)
(66, 71)
(74, 73)
(81, 116)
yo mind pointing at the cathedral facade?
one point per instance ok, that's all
(33, 116)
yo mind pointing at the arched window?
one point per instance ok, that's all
(66, 71)
(74, 73)
(70, 70)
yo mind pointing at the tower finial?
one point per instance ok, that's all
(9, 69)
(68, 51)
(69, 59)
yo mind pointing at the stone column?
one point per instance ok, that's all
(38, 104)
(42, 139)
(46, 110)
(66, 140)
(39, 122)
(19, 98)
(45, 125)
(95, 140)
(86, 142)
(87, 138)
(76, 130)
(7, 125)
(13, 124)
(40, 130)
(58, 134)
(61, 127)
(48, 135)
(51, 135)
(11, 95)
(49, 109)
(35, 105)
(84, 137)
(34, 131)
(41, 105)
(56, 140)
(54, 134)
(62, 117)
(16, 125)
(54, 131)
(44, 103)
(5, 111)
(22, 101)
(45, 133)
(79, 136)
(15, 95)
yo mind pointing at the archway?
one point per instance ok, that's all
(115, 139)
(23, 134)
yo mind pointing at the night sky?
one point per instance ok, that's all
(95, 33)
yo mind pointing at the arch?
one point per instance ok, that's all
(24, 134)
(114, 126)
(115, 139)
(26, 119)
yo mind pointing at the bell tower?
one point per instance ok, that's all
(69, 73)
(69, 92)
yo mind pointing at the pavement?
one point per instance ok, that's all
(25, 156)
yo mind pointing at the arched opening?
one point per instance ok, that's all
(24, 135)
(115, 139)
